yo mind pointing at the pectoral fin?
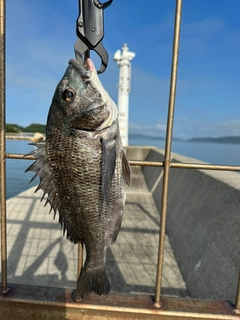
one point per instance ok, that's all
(126, 170)
(108, 166)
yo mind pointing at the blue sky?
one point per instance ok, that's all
(40, 40)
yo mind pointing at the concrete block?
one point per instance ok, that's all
(152, 174)
(203, 225)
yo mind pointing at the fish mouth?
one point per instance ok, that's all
(84, 70)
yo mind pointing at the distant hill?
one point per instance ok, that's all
(139, 136)
(37, 127)
(33, 127)
(143, 136)
(231, 139)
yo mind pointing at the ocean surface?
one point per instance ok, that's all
(18, 181)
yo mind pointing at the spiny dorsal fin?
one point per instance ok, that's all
(41, 169)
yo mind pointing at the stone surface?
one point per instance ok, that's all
(203, 226)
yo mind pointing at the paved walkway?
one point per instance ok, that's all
(39, 255)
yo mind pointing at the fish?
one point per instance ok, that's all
(83, 169)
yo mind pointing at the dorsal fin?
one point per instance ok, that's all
(41, 169)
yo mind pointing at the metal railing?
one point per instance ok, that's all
(166, 307)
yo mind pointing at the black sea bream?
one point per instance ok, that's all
(82, 167)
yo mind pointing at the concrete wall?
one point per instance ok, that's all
(203, 225)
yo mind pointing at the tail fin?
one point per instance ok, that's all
(91, 280)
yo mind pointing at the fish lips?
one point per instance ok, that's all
(84, 71)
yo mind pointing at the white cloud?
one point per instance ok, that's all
(228, 128)
(161, 127)
(154, 130)
(187, 128)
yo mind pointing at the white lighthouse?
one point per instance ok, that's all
(123, 60)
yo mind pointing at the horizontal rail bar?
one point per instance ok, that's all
(182, 165)
(19, 156)
(204, 166)
(151, 163)
(33, 302)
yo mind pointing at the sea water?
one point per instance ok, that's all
(215, 153)
(18, 181)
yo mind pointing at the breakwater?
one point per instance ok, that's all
(203, 223)
(26, 136)
(17, 137)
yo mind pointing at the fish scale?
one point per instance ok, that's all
(82, 168)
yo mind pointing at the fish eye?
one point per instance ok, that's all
(69, 95)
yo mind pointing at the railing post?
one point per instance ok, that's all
(237, 302)
(167, 157)
(3, 151)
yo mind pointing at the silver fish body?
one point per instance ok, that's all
(82, 167)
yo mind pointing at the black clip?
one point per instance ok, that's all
(90, 30)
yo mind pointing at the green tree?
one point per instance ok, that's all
(14, 128)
